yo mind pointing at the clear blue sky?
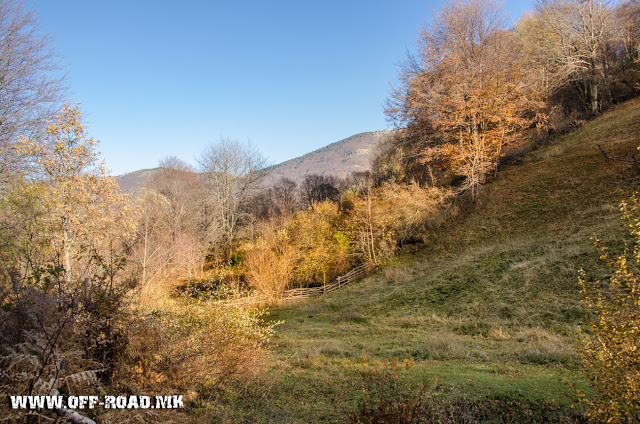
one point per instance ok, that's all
(159, 78)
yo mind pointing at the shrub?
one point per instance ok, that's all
(269, 263)
(396, 214)
(416, 210)
(320, 242)
(611, 353)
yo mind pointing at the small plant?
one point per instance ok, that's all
(388, 397)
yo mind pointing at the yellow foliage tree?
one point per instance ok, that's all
(84, 209)
(611, 354)
(321, 243)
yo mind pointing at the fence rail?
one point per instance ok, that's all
(301, 292)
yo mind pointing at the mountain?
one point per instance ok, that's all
(340, 158)
(132, 182)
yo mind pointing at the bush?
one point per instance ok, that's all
(318, 238)
(416, 210)
(611, 353)
(394, 214)
(270, 262)
(60, 335)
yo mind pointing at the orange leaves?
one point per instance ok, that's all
(469, 85)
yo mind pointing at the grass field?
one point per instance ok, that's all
(488, 309)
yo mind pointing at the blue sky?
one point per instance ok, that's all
(159, 78)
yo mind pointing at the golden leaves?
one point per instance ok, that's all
(611, 355)
(85, 209)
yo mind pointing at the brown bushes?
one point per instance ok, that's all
(314, 246)
(270, 262)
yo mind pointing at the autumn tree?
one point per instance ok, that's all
(82, 209)
(63, 276)
(270, 262)
(372, 234)
(467, 89)
(570, 40)
(321, 241)
(232, 172)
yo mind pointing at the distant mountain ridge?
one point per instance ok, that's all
(340, 158)
(133, 182)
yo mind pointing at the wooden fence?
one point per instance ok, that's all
(301, 293)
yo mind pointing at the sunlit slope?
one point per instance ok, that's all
(491, 305)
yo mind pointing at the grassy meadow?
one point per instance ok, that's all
(488, 312)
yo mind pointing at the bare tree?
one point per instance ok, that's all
(627, 16)
(169, 238)
(183, 189)
(232, 173)
(570, 39)
(317, 188)
(284, 195)
(31, 84)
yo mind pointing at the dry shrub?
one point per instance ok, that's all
(38, 365)
(197, 349)
(193, 346)
(416, 210)
(396, 214)
(270, 262)
(373, 234)
(52, 344)
(389, 397)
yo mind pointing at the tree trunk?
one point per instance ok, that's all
(593, 95)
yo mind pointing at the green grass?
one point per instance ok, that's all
(490, 307)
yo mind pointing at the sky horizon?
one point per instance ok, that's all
(157, 79)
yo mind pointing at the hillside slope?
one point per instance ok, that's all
(490, 308)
